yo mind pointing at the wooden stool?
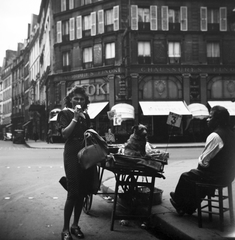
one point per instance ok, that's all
(218, 197)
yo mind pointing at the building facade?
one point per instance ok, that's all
(156, 55)
(144, 53)
(17, 72)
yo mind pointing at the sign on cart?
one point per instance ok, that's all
(174, 119)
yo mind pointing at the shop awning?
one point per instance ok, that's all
(227, 104)
(157, 108)
(25, 124)
(55, 110)
(9, 125)
(95, 108)
(198, 110)
(126, 111)
(53, 119)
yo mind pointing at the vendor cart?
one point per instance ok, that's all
(131, 173)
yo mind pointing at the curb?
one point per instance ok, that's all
(38, 147)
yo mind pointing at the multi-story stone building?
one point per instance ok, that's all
(6, 91)
(34, 107)
(154, 55)
(17, 72)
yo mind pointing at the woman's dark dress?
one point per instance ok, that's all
(79, 181)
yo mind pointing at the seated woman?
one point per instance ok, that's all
(216, 163)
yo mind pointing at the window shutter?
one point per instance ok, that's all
(183, 18)
(203, 13)
(58, 29)
(116, 18)
(71, 29)
(223, 18)
(100, 21)
(63, 5)
(79, 27)
(165, 22)
(134, 17)
(153, 18)
(71, 4)
(93, 23)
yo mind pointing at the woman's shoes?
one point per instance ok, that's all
(77, 231)
(66, 236)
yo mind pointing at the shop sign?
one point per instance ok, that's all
(184, 70)
(122, 87)
(174, 119)
(93, 89)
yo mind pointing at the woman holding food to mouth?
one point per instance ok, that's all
(73, 122)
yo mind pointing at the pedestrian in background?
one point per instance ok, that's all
(73, 122)
(109, 136)
(49, 136)
(216, 163)
(35, 136)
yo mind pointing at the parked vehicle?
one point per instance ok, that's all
(7, 137)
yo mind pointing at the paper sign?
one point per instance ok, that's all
(174, 119)
(117, 120)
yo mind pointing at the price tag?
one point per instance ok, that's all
(174, 119)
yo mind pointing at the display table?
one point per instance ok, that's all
(129, 174)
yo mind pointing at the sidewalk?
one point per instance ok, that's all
(44, 145)
(164, 215)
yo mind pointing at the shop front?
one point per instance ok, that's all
(155, 115)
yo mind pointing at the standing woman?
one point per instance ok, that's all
(73, 122)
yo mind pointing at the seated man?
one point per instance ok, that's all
(216, 163)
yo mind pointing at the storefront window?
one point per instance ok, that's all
(220, 88)
(157, 89)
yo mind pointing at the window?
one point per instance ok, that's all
(143, 14)
(87, 22)
(144, 19)
(144, 52)
(213, 19)
(67, 4)
(213, 53)
(71, 4)
(100, 21)
(87, 26)
(65, 31)
(58, 31)
(79, 27)
(98, 54)
(174, 16)
(174, 19)
(87, 58)
(66, 61)
(63, 5)
(174, 52)
(109, 17)
(110, 50)
(93, 23)
(72, 29)
(213, 15)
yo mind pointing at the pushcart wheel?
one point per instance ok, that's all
(87, 203)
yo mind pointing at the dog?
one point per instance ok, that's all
(135, 145)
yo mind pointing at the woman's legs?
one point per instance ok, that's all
(68, 210)
(77, 210)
